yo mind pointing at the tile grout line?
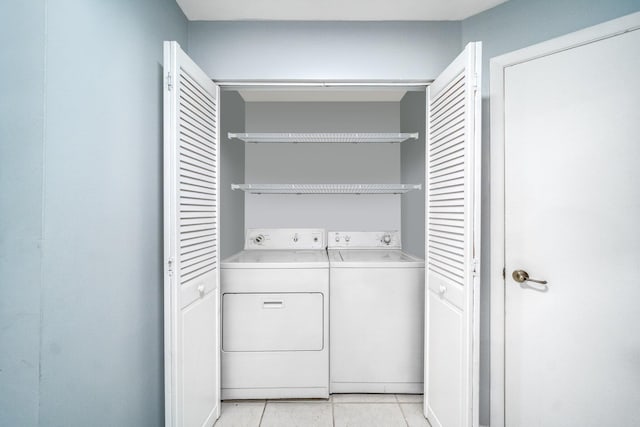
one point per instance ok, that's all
(264, 408)
(402, 411)
(333, 413)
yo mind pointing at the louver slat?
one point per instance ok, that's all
(446, 183)
(197, 168)
(192, 130)
(190, 149)
(203, 97)
(186, 229)
(449, 176)
(445, 272)
(446, 245)
(451, 119)
(196, 251)
(201, 271)
(197, 246)
(457, 134)
(188, 140)
(198, 162)
(194, 104)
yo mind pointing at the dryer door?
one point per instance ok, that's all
(273, 322)
(453, 243)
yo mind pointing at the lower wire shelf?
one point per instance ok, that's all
(326, 188)
(339, 137)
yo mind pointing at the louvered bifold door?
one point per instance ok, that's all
(192, 296)
(453, 243)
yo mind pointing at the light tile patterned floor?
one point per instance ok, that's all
(340, 410)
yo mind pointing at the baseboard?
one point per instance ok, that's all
(275, 393)
(399, 388)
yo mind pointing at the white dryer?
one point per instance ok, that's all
(376, 314)
(275, 330)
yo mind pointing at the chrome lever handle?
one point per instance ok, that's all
(522, 276)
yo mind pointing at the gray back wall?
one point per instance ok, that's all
(323, 163)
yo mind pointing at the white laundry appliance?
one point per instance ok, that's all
(376, 314)
(275, 316)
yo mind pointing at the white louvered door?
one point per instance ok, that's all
(453, 243)
(191, 280)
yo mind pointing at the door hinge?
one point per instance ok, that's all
(476, 266)
(504, 273)
(170, 266)
(169, 82)
(476, 82)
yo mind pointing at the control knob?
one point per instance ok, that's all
(258, 239)
(386, 239)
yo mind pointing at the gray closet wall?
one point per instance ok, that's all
(412, 167)
(323, 163)
(232, 153)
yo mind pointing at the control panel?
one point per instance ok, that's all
(364, 239)
(285, 238)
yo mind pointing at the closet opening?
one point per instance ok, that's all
(295, 239)
(338, 156)
(343, 163)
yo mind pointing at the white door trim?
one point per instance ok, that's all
(302, 83)
(497, 69)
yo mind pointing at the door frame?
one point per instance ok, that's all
(498, 65)
(304, 83)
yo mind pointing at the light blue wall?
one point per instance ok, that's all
(520, 23)
(21, 131)
(81, 171)
(510, 26)
(102, 334)
(323, 50)
(82, 155)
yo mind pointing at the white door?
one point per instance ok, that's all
(192, 296)
(572, 218)
(453, 243)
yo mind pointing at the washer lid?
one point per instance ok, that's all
(372, 258)
(277, 259)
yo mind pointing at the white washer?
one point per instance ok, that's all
(376, 314)
(275, 330)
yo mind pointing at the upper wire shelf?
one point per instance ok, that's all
(326, 188)
(337, 137)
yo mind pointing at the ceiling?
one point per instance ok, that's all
(334, 10)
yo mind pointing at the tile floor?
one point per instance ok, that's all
(340, 410)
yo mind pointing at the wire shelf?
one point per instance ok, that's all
(345, 137)
(326, 188)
